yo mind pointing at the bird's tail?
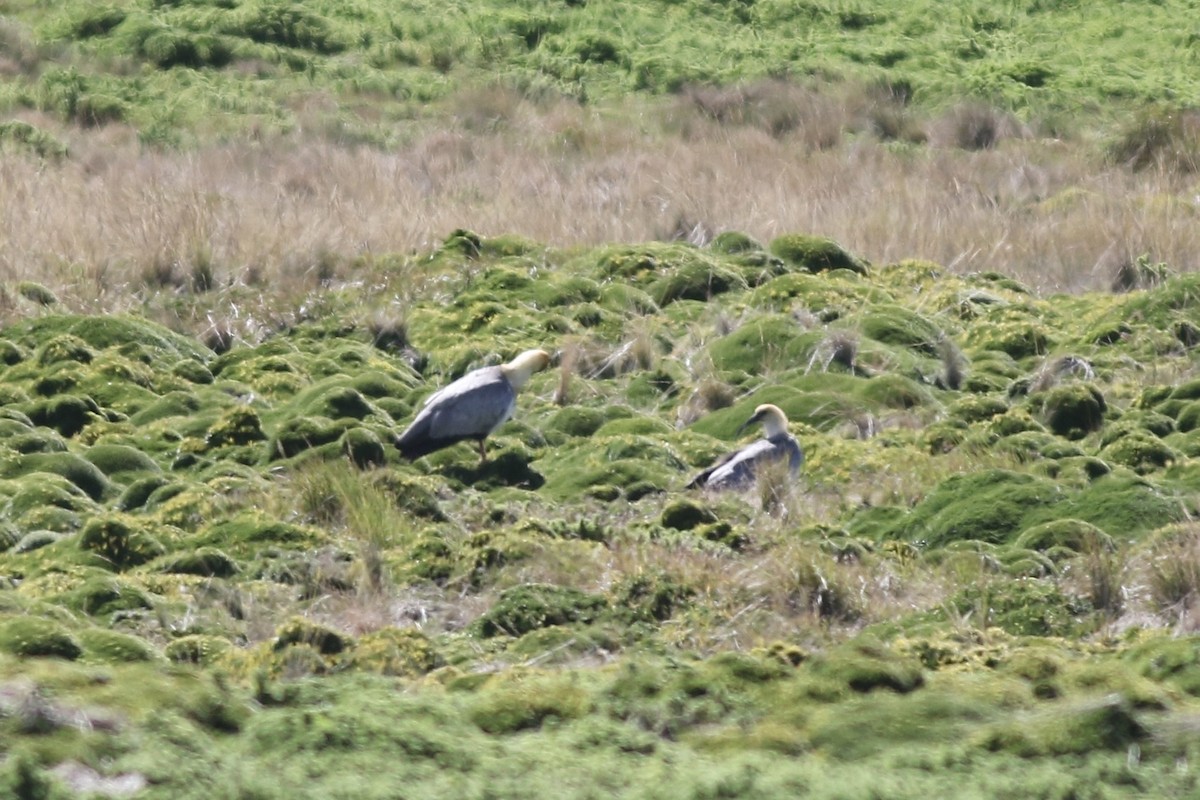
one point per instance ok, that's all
(413, 447)
(410, 450)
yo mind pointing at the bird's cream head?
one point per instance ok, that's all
(773, 420)
(519, 370)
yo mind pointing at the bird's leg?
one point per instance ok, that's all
(482, 453)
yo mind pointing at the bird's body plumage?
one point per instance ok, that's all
(739, 469)
(471, 407)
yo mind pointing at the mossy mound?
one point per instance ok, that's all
(574, 421)
(729, 243)
(526, 702)
(896, 325)
(395, 651)
(68, 414)
(299, 434)
(106, 594)
(139, 491)
(1073, 410)
(1139, 450)
(654, 596)
(695, 279)
(685, 515)
(117, 460)
(46, 490)
(114, 647)
(334, 400)
(206, 561)
(236, 426)
(1019, 336)
(768, 341)
(37, 539)
(1028, 607)
(199, 649)
(413, 495)
(38, 637)
(1123, 505)
(651, 264)
(109, 331)
(1110, 723)
(865, 666)
(1064, 538)
(978, 408)
(1158, 424)
(511, 466)
(299, 631)
(1175, 661)
(121, 541)
(430, 557)
(489, 550)
(363, 448)
(609, 468)
(65, 347)
(1188, 417)
(814, 254)
(249, 531)
(79, 471)
(169, 405)
(989, 506)
(526, 608)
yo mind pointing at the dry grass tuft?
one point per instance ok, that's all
(953, 365)
(1139, 273)
(1160, 138)
(975, 126)
(18, 49)
(289, 213)
(1106, 570)
(781, 109)
(335, 495)
(775, 486)
(884, 112)
(688, 230)
(714, 394)
(218, 336)
(839, 347)
(1053, 370)
(389, 330)
(1175, 571)
(567, 364)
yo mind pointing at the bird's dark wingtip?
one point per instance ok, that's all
(411, 450)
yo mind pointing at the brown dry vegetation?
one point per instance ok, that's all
(288, 213)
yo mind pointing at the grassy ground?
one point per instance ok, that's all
(218, 568)
(242, 241)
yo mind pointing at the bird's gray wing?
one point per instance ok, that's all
(702, 478)
(739, 468)
(470, 407)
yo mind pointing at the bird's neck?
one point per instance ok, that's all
(517, 373)
(774, 427)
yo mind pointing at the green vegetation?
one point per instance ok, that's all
(227, 562)
(169, 68)
(218, 578)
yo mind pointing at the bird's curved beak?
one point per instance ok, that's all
(747, 424)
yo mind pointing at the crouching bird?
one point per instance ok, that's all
(738, 469)
(471, 407)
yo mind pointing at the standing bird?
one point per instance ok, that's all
(471, 407)
(737, 469)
